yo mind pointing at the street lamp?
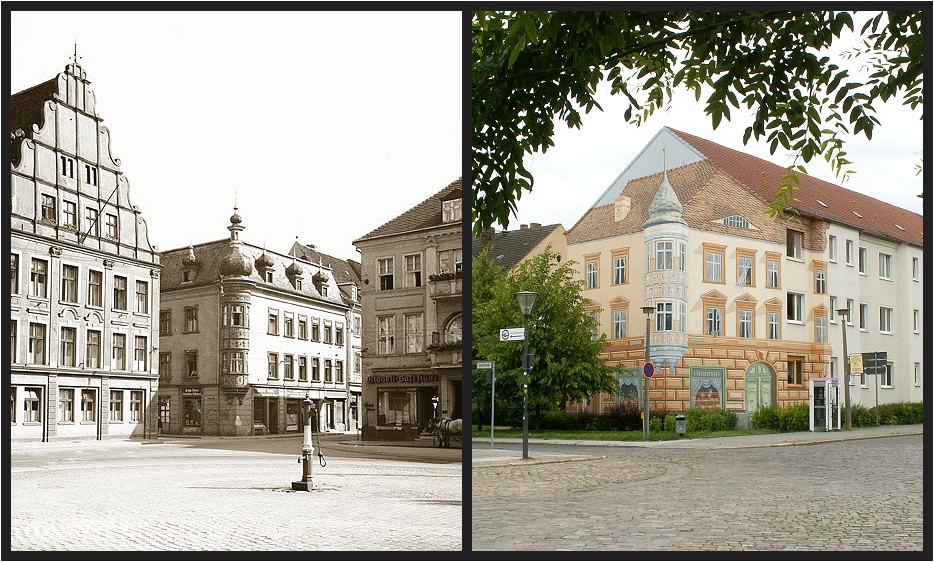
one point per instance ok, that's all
(845, 317)
(647, 310)
(526, 302)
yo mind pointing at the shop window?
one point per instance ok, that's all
(116, 405)
(396, 407)
(136, 406)
(191, 406)
(32, 413)
(66, 405)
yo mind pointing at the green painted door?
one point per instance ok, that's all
(758, 387)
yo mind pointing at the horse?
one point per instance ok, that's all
(449, 428)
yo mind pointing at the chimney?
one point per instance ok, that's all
(523, 227)
(535, 225)
(623, 205)
(486, 237)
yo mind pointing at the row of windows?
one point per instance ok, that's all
(333, 369)
(234, 362)
(38, 286)
(886, 316)
(886, 380)
(331, 333)
(83, 409)
(49, 214)
(67, 169)
(414, 333)
(885, 259)
(38, 348)
(413, 276)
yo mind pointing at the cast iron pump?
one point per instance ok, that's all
(308, 451)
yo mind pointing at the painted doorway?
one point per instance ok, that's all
(759, 387)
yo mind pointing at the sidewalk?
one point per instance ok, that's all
(484, 456)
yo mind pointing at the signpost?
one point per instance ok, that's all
(875, 364)
(492, 380)
(512, 334)
(648, 369)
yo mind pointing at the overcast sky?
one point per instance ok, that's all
(574, 173)
(323, 125)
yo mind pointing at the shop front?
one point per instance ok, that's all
(400, 406)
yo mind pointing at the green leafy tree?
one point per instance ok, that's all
(567, 363)
(531, 67)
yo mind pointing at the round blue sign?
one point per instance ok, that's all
(648, 369)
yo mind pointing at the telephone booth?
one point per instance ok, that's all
(825, 399)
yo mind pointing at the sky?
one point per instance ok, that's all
(317, 125)
(572, 175)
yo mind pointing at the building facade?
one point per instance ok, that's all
(412, 275)
(246, 335)
(85, 280)
(743, 304)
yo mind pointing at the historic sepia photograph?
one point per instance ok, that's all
(698, 281)
(236, 271)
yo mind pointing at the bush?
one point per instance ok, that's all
(898, 413)
(655, 424)
(794, 418)
(766, 417)
(669, 423)
(709, 420)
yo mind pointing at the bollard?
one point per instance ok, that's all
(306, 484)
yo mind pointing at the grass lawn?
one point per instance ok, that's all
(583, 435)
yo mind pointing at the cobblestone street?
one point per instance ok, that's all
(865, 494)
(172, 496)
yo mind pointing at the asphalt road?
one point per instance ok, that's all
(850, 495)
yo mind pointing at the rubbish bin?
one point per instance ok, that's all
(681, 424)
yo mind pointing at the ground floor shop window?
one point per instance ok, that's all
(164, 411)
(66, 405)
(87, 405)
(116, 405)
(396, 407)
(31, 411)
(136, 405)
(192, 412)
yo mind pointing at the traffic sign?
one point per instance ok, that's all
(512, 334)
(875, 362)
(484, 364)
(648, 369)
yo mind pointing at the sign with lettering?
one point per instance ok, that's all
(708, 387)
(485, 364)
(401, 379)
(512, 334)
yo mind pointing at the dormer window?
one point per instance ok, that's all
(269, 276)
(451, 210)
(737, 221)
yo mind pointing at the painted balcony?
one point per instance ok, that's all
(445, 285)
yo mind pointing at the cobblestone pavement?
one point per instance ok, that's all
(173, 497)
(864, 494)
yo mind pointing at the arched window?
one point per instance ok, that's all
(452, 329)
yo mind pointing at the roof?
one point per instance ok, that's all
(26, 111)
(814, 197)
(426, 214)
(507, 248)
(343, 271)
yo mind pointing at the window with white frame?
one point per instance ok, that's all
(14, 274)
(820, 281)
(794, 242)
(66, 405)
(414, 333)
(90, 221)
(288, 324)
(773, 280)
(92, 353)
(37, 278)
(821, 327)
(48, 209)
(31, 405)
(774, 324)
(663, 254)
(142, 297)
(663, 317)
(36, 344)
(69, 214)
(795, 307)
(95, 288)
(413, 270)
(119, 302)
(885, 266)
(88, 401)
(136, 405)
(449, 260)
(745, 324)
(111, 226)
(714, 321)
(69, 283)
(863, 315)
(915, 269)
(736, 220)
(451, 210)
(591, 274)
(849, 252)
(191, 319)
(745, 270)
(328, 376)
(917, 320)
(116, 405)
(833, 310)
(619, 270)
(272, 365)
(863, 258)
(619, 324)
(849, 312)
(315, 369)
(384, 268)
(832, 248)
(917, 374)
(288, 366)
(13, 341)
(302, 368)
(885, 319)
(272, 322)
(714, 271)
(886, 376)
(594, 326)
(385, 326)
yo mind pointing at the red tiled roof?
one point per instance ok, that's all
(762, 178)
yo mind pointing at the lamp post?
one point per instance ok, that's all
(526, 302)
(845, 317)
(647, 310)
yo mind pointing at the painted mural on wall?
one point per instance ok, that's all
(708, 387)
(630, 389)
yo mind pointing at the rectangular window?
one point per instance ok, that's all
(328, 376)
(14, 274)
(795, 368)
(357, 362)
(384, 268)
(88, 400)
(885, 266)
(591, 275)
(67, 167)
(833, 368)
(142, 297)
(70, 283)
(821, 329)
(90, 174)
(773, 280)
(111, 226)
(832, 248)
(887, 376)
(414, 333)
(302, 328)
(69, 214)
(66, 405)
(90, 221)
(795, 307)
(863, 257)
(451, 210)
(774, 324)
(619, 270)
(885, 319)
(413, 270)
(915, 269)
(663, 255)
(288, 363)
(794, 244)
(13, 345)
(714, 321)
(315, 330)
(619, 324)
(95, 288)
(833, 310)
(119, 352)
(849, 311)
(820, 286)
(48, 209)
(92, 355)
(31, 403)
(386, 335)
(595, 330)
(165, 322)
(917, 374)
(327, 332)
(119, 293)
(663, 317)
(140, 354)
(191, 319)
(315, 369)
(116, 405)
(849, 252)
(917, 320)
(714, 271)
(239, 316)
(191, 362)
(136, 406)
(288, 325)
(338, 371)
(449, 260)
(36, 344)
(67, 346)
(165, 365)
(745, 271)
(37, 278)
(272, 325)
(863, 316)
(339, 334)
(745, 324)
(272, 370)
(303, 368)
